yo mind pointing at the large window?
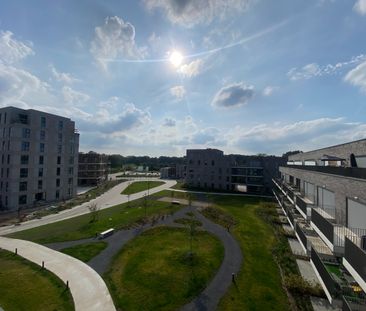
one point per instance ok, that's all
(25, 146)
(43, 122)
(24, 159)
(326, 200)
(41, 147)
(25, 133)
(40, 172)
(23, 199)
(356, 214)
(23, 186)
(309, 191)
(361, 161)
(23, 173)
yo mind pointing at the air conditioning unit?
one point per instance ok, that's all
(363, 242)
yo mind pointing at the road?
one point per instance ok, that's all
(87, 287)
(108, 199)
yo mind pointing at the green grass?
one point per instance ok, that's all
(334, 269)
(154, 271)
(139, 186)
(24, 286)
(85, 252)
(258, 284)
(117, 217)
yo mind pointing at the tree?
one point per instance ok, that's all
(94, 212)
(289, 153)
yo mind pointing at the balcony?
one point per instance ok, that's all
(353, 172)
(304, 206)
(353, 304)
(355, 260)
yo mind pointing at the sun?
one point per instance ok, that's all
(176, 58)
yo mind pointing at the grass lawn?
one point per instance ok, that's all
(153, 270)
(119, 216)
(24, 286)
(188, 221)
(258, 282)
(139, 186)
(85, 252)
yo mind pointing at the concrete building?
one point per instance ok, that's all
(211, 169)
(39, 158)
(323, 194)
(93, 168)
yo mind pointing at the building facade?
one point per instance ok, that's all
(93, 168)
(323, 194)
(39, 158)
(211, 169)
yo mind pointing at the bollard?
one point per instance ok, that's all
(42, 264)
(67, 284)
(16, 251)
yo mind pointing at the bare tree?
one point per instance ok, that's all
(94, 211)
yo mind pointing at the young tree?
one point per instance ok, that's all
(94, 212)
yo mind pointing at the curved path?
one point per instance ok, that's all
(108, 199)
(87, 287)
(210, 296)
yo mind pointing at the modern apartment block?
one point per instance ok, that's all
(323, 194)
(211, 169)
(93, 168)
(39, 158)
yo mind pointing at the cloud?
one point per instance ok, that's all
(206, 136)
(233, 95)
(73, 97)
(169, 122)
(18, 87)
(115, 38)
(357, 76)
(178, 91)
(12, 50)
(268, 90)
(64, 77)
(360, 7)
(191, 12)
(191, 69)
(315, 70)
(304, 135)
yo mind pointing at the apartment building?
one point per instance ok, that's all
(93, 168)
(211, 169)
(323, 194)
(39, 158)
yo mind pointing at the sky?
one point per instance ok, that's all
(156, 77)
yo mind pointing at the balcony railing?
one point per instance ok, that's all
(330, 287)
(353, 304)
(324, 225)
(302, 237)
(355, 260)
(353, 172)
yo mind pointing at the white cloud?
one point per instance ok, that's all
(169, 122)
(178, 91)
(357, 76)
(191, 12)
(315, 70)
(360, 7)
(268, 90)
(191, 69)
(233, 95)
(115, 38)
(64, 77)
(12, 50)
(73, 97)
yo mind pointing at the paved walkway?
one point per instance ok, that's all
(211, 295)
(87, 287)
(108, 199)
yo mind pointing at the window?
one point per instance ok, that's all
(40, 184)
(58, 171)
(70, 181)
(58, 160)
(23, 173)
(43, 122)
(356, 213)
(23, 199)
(2, 159)
(41, 147)
(40, 172)
(8, 159)
(41, 160)
(25, 146)
(42, 135)
(361, 161)
(23, 186)
(7, 173)
(60, 125)
(71, 170)
(59, 137)
(58, 182)
(59, 148)
(25, 133)
(23, 118)
(71, 160)
(213, 163)
(57, 194)
(24, 159)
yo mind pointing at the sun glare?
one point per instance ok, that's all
(176, 58)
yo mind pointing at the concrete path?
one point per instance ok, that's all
(211, 295)
(87, 287)
(108, 199)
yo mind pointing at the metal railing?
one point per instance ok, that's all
(356, 257)
(301, 204)
(323, 224)
(302, 236)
